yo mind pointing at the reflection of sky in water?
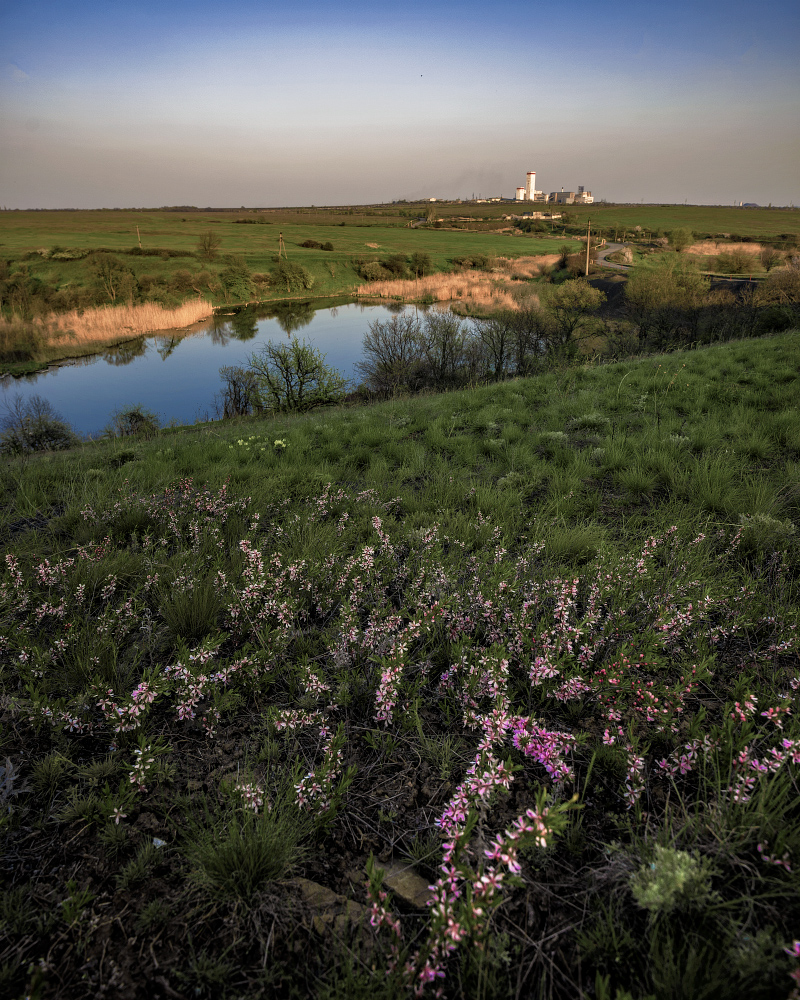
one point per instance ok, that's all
(178, 378)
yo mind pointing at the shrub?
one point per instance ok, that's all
(776, 319)
(392, 351)
(236, 278)
(673, 880)
(134, 421)
(770, 258)
(294, 276)
(680, 239)
(374, 271)
(33, 425)
(735, 262)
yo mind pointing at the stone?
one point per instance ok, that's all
(404, 882)
(332, 911)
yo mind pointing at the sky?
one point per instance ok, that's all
(257, 103)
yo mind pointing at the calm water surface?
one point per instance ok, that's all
(178, 377)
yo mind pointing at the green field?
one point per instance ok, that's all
(529, 649)
(23, 233)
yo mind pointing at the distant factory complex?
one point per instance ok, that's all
(562, 197)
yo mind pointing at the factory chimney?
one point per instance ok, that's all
(530, 185)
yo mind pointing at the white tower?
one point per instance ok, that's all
(530, 185)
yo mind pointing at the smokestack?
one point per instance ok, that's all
(530, 185)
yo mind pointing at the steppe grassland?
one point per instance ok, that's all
(331, 270)
(474, 599)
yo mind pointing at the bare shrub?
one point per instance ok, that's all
(393, 355)
(29, 425)
(134, 421)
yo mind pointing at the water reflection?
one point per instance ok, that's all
(177, 383)
(123, 354)
(292, 316)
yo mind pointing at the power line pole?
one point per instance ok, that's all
(588, 242)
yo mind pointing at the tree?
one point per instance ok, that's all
(208, 243)
(393, 353)
(294, 376)
(680, 239)
(665, 301)
(442, 343)
(770, 258)
(496, 336)
(569, 305)
(239, 395)
(115, 279)
(420, 263)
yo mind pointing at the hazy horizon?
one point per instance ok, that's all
(256, 105)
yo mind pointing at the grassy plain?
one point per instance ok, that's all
(168, 268)
(533, 644)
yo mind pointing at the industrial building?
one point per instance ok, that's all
(529, 192)
(562, 197)
(579, 197)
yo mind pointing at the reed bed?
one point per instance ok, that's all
(121, 322)
(75, 333)
(710, 248)
(477, 288)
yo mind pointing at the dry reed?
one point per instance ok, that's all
(477, 288)
(709, 248)
(122, 322)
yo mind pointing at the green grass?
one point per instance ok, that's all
(665, 490)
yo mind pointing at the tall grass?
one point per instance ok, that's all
(475, 288)
(122, 322)
(45, 337)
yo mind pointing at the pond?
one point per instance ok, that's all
(177, 377)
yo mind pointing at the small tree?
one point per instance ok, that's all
(116, 280)
(208, 243)
(393, 355)
(770, 258)
(420, 263)
(239, 396)
(294, 376)
(569, 304)
(680, 239)
(32, 424)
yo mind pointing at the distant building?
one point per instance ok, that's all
(579, 197)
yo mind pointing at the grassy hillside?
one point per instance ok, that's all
(532, 645)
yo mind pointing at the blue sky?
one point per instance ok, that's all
(148, 104)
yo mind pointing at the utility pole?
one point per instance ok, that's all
(282, 247)
(588, 243)
(138, 237)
